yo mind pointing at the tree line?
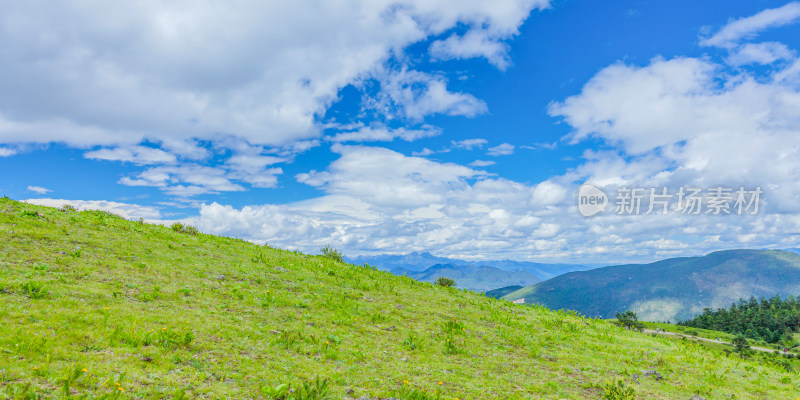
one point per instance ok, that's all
(771, 320)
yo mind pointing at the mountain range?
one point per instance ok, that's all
(421, 261)
(671, 289)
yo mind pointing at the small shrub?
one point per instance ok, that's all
(167, 338)
(30, 213)
(332, 253)
(411, 342)
(450, 345)
(618, 391)
(34, 290)
(68, 208)
(452, 326)
(313, 390)
(445, 282)
(181, 228)
(406, 392)
(73, 376)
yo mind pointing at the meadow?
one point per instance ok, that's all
(98, 307)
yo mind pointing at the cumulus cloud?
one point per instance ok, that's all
(486, 40)
(152, 84)
(691, 122)
(380, 200)
(115, 75)
(125, 210)
(381, 133)
(469, 144)
(748, 27)
(135, 154)
(501, 150)
(688, 121)
(481, 163)
(39, 189)
(184, 180)
(472, 44)
(760, 53)
(415, 95)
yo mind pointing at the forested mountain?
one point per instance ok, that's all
(771, 320)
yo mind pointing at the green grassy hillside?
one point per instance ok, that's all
(93, 305)
(673, 289)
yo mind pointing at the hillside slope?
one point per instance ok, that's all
(671, 289)
(477, 278)
(96, 305)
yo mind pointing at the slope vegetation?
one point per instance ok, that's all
(93, 305)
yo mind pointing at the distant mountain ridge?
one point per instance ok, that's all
(500, 292)
(477, 278)
(672, 289)
(420, 261)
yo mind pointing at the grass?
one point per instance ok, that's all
(777, 356)
(131, 310)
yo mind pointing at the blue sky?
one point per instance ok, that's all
(460, 129)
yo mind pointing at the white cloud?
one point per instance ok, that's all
(549, 193)
(135, 154)
(486, 40)
(682, 125)
(381, 133)
(128, 211)
(469, 144)
(540, 146)
(683, 121)
(481, 163)
(415, 95)
(6, 152)
(472, 44)
(186, 180)
(760, 53)
(39, 189)
(117, 74)
(748, 27)
(380, 200)
(501, 150)
(381, 176)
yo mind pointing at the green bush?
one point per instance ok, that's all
(181, 228)
(406, 392)
(332, 253)
(445, 282)
(618, 391)
(34, 290)
(313, 390)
